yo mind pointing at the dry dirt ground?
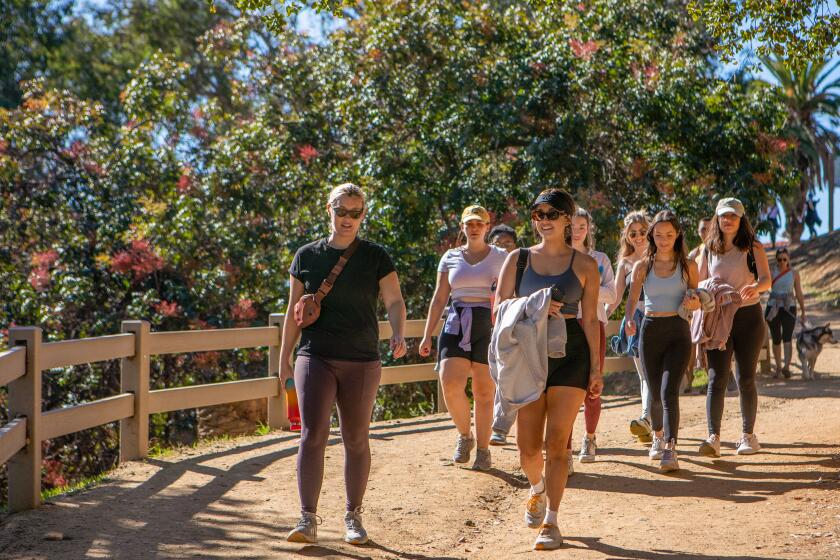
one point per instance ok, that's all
(237, 498)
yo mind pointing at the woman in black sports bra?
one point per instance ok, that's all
(574, 278)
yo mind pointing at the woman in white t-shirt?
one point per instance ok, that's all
(467, 274)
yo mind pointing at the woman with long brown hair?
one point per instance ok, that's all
(665, 341)
(733, 255)
(633, 245)
(573, 278)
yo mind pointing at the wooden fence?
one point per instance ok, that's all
(22, 364)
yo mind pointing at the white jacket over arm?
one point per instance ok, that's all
(522, 340)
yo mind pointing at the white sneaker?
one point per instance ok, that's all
(656, 448)
(355, 533)
(306, 530)
(711, 447)
(535, 510)
(588, 449)
(748, 445)
(571, 462)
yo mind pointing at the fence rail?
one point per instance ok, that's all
(21, 367)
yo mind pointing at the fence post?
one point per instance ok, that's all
(134, 378)
(278, 417)
(25, 400)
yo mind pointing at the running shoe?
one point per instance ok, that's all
(306, 530)
(355, 533)
(669, 462)
(535, 510)
(549, 538)
(498, 438)
(463, 447)
(748, 445)
(482, 460)
(656, 448)
(711, 447)
(588, 448)
(640, 427)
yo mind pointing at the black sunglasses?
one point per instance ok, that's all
(539, 215)
(341, 212)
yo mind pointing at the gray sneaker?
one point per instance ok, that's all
(535, 510)
(498, 438)
(463, 447)
(549, 538)
(587, 449)
(306, 530)
(482, 460)
(355, 533)
(656, 448)
(669, 462)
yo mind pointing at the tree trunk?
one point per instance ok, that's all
(795, 206)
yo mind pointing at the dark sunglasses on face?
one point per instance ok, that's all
(634, 234)
(341, 212)
(539, 215)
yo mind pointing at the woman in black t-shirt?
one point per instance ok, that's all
(338, 356)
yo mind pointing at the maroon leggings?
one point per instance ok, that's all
(352, 386)
(592, 407)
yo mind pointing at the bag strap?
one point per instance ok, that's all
(521, 265)
(329, 281)
(751, 263)
(780, 275)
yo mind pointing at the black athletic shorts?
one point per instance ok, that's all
(572, 370)
(482, 328)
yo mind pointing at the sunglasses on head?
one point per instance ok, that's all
(342, 212)
(551, 215)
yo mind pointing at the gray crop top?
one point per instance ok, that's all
(567, 282)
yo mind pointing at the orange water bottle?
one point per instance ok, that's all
(292, 405)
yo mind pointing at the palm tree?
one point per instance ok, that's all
(809, 95)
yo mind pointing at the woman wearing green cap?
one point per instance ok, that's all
(733, 256)
(467, 275)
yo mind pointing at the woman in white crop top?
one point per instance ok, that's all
(467, 275)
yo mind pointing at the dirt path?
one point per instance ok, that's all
(237, 499)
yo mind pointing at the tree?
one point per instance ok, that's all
(800, 30)
(812, 99)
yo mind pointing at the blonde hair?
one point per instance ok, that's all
(635, 217)
(345, 189)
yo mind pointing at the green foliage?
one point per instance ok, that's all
(800, 31)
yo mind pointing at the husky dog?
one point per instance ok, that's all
(809, 344)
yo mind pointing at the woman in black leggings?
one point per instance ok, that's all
(665, 346)
(338, 357)
(780, 313)
(733, 256)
